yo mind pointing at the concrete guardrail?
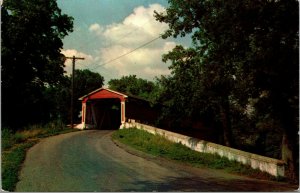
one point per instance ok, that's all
(270, 165)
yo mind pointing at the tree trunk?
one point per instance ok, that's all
(290, 155)
(290, 140)
(226, 122)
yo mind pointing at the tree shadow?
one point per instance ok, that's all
(187, 184)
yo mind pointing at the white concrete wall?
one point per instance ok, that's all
(272, 166)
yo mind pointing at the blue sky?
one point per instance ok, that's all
(106, 29)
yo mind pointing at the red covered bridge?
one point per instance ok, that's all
(108, 109)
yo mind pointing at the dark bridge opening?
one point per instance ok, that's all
(107, 114)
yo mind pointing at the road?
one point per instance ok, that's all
(91, 161)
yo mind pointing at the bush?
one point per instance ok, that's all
(54, 126)
(7, 139)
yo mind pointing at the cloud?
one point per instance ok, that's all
(135, 30)
(96, 28)
(81, 64)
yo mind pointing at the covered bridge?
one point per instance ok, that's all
(108, 109)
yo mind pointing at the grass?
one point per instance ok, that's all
(15, 145)
(159, 146)
(11, 165)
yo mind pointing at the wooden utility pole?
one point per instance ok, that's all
(72, 88)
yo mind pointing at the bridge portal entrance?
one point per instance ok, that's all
(105, 114)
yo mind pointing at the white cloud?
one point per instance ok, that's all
(96, 28)
(135, 30)
(81, 64)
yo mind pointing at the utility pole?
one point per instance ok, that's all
(72, 88)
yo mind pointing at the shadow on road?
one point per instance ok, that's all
(198, 184)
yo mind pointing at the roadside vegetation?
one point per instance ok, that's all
(159, 146)
(15, 145)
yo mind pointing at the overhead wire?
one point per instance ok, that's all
(114, 59)
(110, 44)
(139, 47)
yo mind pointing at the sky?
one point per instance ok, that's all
(104, 30)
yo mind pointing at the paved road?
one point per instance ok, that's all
(90, 161)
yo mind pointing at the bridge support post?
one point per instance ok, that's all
(123, 119)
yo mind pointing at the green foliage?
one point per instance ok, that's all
(58, 99)
(7, 138)
(87, 81)
(59, 95)
(11, 164)
(135, 86)
(244, 53)
(10, 138)
(159, 146)
(31, 42)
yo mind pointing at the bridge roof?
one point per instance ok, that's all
(102, 93)
(105, 93)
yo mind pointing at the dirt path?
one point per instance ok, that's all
(90, 161)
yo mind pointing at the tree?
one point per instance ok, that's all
(84, 83)
(31, 42)
(59, 95)
(134, 86)
(246, 50)
(207, 62)
(58, 98)
(275, 56)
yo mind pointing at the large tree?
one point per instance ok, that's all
(31, 40)
(243, 51)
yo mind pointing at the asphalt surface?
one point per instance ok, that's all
(91, 161)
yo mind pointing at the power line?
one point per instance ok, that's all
(143, 45)
(110, 44)
(141, 27)
(139, 47)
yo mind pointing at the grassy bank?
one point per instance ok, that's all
(159, 146)
(15, 145)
